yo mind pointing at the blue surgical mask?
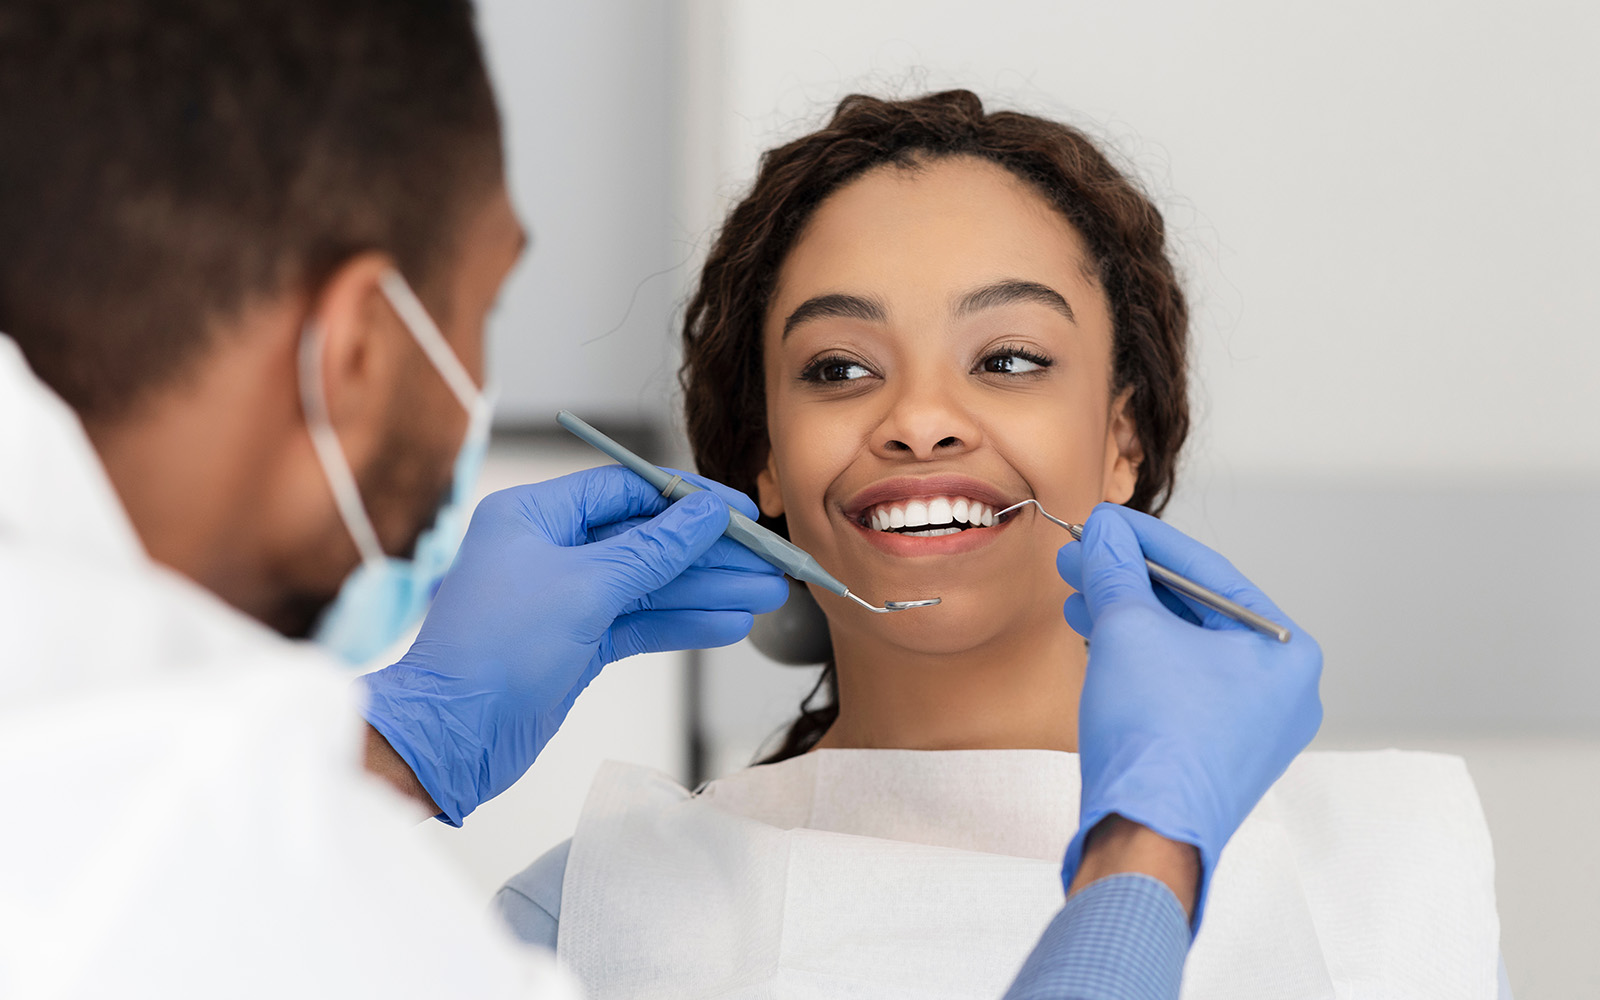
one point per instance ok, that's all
(386, 596)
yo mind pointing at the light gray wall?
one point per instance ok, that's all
(1442, 608)
(586, 92)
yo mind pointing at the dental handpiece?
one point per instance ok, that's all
(1177, 582)
(772, 547)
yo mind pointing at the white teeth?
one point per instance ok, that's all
(943, 515)
(916, 513)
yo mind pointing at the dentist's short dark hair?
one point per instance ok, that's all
(722, 374)
(166, 163)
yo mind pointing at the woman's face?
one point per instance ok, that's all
(937, 349)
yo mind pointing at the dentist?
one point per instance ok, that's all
(246, 256)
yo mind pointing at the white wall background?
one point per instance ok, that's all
(587, 102)
(1387, 215)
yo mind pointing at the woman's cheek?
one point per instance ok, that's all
(802, 486)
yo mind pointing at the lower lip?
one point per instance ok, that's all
(941, 545)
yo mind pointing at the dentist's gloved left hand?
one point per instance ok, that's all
(553, 582)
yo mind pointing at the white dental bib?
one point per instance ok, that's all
(891, 873)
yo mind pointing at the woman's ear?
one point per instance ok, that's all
(769, 497)
(1124, 451)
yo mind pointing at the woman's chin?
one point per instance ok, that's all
(963, 621)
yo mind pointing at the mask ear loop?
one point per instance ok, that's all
(415, 316)
(478, 402)
(335, 466)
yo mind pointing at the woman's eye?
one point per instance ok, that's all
(835, 370)
(1013, 362)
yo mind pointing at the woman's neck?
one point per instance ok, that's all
(1018, 692)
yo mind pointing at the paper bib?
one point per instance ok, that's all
(890, 873)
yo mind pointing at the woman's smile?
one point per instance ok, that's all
(927, 516)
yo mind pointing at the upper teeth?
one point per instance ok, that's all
(933, 512)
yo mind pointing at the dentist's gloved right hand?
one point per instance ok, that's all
(1187, 716)
(554, 581)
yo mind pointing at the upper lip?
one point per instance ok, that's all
(913, 487)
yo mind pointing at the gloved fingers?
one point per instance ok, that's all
(1071, 568)
(569, 509)
(610, 529)
(562, 510)
(740, 502)
(1192, 612)
(1077, 614)
(651, 555)
(657, 631)
(728, 554)
(1113, 570)
(725, 553)
(709, 589)
(1069, 563)
(1182, 554)
(1175, 550)
(1196, 613)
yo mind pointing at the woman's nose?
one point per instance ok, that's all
(926, 424)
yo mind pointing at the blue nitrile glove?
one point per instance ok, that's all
(554, 581)
(1187, 716)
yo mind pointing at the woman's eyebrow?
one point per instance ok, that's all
(1003, 293)
(836, 304)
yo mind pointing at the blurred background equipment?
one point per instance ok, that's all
(1385, 214)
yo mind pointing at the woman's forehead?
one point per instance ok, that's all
(936, 229)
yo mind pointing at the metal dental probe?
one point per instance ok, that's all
(1177, 582)
(772, 547)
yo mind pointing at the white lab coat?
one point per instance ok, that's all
(186, 814)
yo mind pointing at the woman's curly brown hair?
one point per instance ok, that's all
(722, 374)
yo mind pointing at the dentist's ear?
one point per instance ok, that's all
(769, 495)
(363, 354)
(1124, 451)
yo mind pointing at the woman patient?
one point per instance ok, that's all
(918, 316)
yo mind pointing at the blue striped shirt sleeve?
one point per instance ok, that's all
(1121, 938)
